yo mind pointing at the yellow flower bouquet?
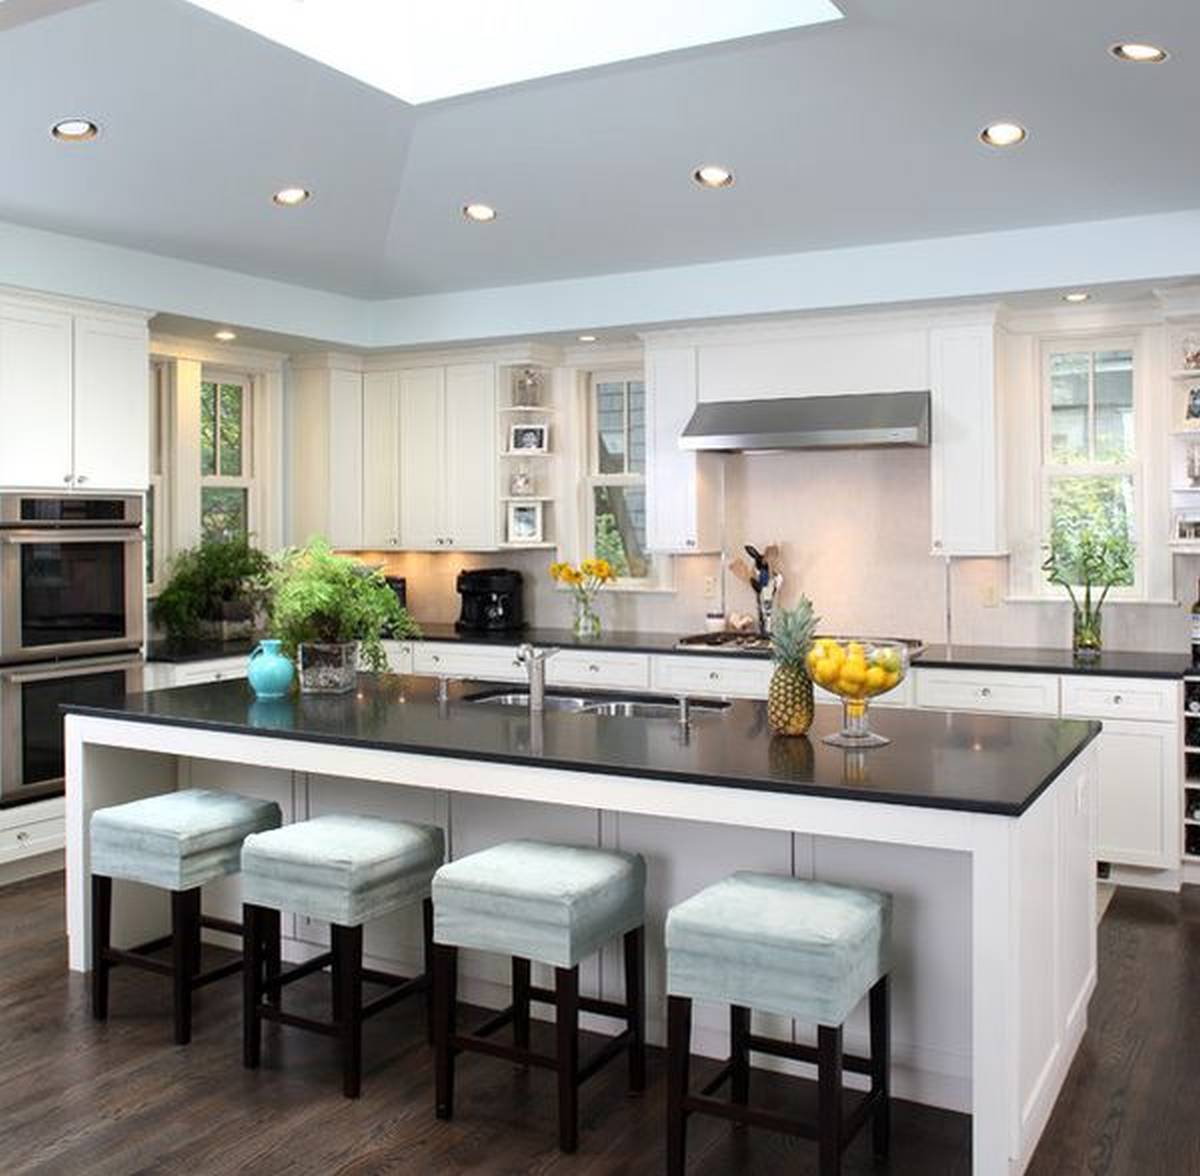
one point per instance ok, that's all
(584, 581)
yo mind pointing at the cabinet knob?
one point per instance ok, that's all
(985, 692)
(66, 479)
(937, 543)
(23, 835)
(714, 676)
(434, 658)
(593, 669)
(81, 479)
(691, 542)
(1116, 700)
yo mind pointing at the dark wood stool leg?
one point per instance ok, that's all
(427, 933)
(252, 973)
(679, 1045)
(566, 1017)
(829, 1099)
(635, 1001)
(520, 1002)
(185, 919)
(445, 997)
(879, 1004)
(272, 937)
(101, 935)
(347, 971)
(739, 1054)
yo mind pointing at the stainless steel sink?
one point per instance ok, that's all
(623, 708)
(554, 702)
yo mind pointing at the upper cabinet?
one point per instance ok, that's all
(682, 511)
(74, 398)
(381, 460)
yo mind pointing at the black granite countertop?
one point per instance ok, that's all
(628, 641)
(201, 649)
(1116, 664)
(974, 763)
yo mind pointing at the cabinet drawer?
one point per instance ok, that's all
(1003, 693)
(399, 656)
(33, 837)
(725, 677)
(607, 670)
(450, 660)
(1120, 698)
(220, 670)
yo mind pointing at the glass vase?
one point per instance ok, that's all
(587, 620)
(328, 668)
(1085, 634)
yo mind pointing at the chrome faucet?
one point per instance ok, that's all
(534, 661)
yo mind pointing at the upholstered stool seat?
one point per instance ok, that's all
(177, 841)
(808, 950)
(553, 903)
(556, 904)
(345, 870)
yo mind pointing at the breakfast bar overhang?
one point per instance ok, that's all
(994, 814)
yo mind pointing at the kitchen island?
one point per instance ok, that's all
(981, 826)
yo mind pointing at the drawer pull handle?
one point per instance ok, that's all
(985, 692)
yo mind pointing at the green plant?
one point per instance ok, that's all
(320, 597)
(792, 632)
(206, 578)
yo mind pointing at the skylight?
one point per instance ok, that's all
(423, 50)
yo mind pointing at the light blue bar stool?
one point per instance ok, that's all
(556, 904)
(808, 950)
(176, 841)
(345, 870)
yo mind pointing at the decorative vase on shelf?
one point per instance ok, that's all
(270, 673)
(1085, 634)
(527, 389)
(328, 668)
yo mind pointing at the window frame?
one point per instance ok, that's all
(1050, 470)
(247, 480)
(156, 522)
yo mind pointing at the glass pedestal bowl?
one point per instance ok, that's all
(857, 669)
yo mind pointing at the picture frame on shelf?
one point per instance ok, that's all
(529, 437)
(525, 522)
(1185, 526)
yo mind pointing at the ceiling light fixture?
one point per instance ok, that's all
(1003, 134)
(74, 130)
(290, 197)
(1076, 296)
(587, 338)
(480, 213)
(1138, 53)
(713, 175)
(226, 335)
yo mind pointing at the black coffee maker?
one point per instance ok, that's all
(491, 601)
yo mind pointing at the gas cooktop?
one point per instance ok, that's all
(728, 642)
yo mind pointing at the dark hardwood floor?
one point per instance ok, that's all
(77, 1097)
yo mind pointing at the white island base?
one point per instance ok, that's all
(994, 918)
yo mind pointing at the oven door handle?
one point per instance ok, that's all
(74, 669)
(124, 535)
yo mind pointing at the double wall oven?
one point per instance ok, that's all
(72, 607)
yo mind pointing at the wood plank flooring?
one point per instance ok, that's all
(77, 1097)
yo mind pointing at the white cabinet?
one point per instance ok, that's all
(74, 399)
(448, 458)
(681, 490)
(986, 690)
(965, 452)
(712, 675)
(450, 659)
(599, 669)
(381, 460)
(165, 675)
(1139, 795)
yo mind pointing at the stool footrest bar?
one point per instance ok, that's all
(605, 1054)
(271, 1013)
(587, 1004)
(218, 973)
(215, 924)
(508, 1053)
(116, 955)
(751, 1116)
(796, 1052)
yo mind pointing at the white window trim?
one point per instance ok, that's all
(159, 479)
(248, 479)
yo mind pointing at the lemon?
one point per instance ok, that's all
(855, 649)
(876, 679)
(889, 659)
(892, 677)
(826, 671)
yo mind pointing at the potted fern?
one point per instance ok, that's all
(329, 609)
(216, 590)
(790, 696)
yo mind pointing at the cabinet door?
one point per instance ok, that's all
(345, 459)
(381, 459)
(1139, 796)
(470, 465)
(422, 472)
(112, 404)
(35, 397)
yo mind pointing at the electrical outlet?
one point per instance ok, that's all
(991, 595)
(710, 587)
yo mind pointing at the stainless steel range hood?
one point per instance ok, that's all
(810, 422)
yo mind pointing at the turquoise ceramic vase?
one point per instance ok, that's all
(270, 673)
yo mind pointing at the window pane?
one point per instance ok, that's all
(1069, 406)
(208, 428)
(637, 427)
(1087, 513)
(231, 430)
(1114, 405)
(223, 513)
(621, 529)
(610, 427)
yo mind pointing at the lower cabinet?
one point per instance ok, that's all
(1138, 799)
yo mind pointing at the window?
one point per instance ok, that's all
(616, 484)
(1091, 477)
(225, 458)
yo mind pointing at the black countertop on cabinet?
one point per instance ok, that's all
(623, 642)
(1116, 663)
(201, 649)
(974, 763)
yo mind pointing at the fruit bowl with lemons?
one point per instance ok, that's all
(857, 669)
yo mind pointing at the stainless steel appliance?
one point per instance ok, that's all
(31, 725)
(72, 576)
(491, 601)
(730, 642)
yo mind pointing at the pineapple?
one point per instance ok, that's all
(790, 699)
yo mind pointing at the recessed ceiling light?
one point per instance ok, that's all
(74, 130)
(1138, 52)
(1003, 134)
(713, 175)
(479, 212)
(226, 336)
(1076, 296)
(290, 197)
(587, 338)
